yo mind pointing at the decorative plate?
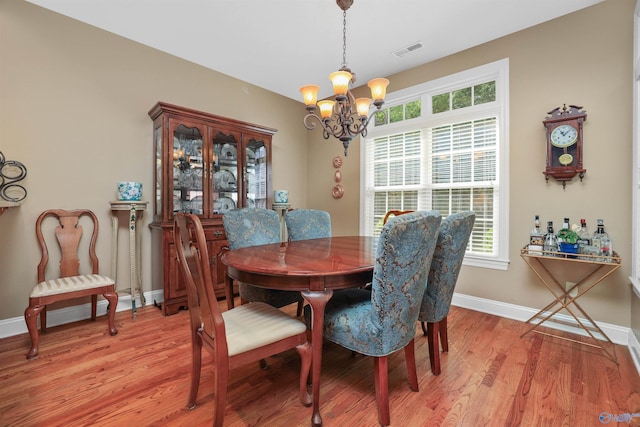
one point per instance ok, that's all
(228, 152)
(223, 204)
(225, 180)
(251, 155)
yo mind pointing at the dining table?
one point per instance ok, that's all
(315, 268)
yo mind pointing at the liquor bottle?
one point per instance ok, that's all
(584, 237)
(550, 241)
(602, 241)
(563, 231)
(536, 238)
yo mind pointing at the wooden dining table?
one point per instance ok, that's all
(314, 267)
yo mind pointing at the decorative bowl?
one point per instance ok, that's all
(130, 191)
(281, 196)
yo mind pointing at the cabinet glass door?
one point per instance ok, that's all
(225, 173)
(256, 173)
(187, 170)
(157, 138)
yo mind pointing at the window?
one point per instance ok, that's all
(442, 145)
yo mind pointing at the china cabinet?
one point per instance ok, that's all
(206, 165)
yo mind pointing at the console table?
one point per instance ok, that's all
(597, 269)
(135, 211)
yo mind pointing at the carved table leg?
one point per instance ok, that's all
(317, 300)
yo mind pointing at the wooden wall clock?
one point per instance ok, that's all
(564, 143)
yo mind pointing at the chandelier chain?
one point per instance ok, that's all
(344, 38)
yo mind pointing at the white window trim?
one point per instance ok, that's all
(498, 70)
(635, 192)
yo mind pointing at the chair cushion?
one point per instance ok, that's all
(70, 284)
(255, 324)
(347, 321)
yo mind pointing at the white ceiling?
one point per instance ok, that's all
(282, 45)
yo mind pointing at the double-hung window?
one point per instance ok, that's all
(443, 145)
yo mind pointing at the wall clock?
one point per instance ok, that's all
(564, 143)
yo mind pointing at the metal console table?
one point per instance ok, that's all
(598, 268)
(132, 207)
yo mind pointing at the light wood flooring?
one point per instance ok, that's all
(490, 377)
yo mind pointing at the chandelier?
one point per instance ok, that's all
(345, 117)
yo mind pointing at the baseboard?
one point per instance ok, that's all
(634, 349)
(17, 325)
(617, 334)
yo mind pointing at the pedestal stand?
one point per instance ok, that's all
(133, 208)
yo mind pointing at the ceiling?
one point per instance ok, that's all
(281, 45)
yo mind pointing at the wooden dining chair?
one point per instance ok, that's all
(70, 283)
(453, 237)
(382, 321)
(305, 224)
(393, 213)
(238, 336)
(252, 227)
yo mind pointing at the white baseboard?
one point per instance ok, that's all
(617, 334)
(634, 349)
(17, 325)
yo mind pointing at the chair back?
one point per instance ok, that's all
(392, 213)
(404, 252)
(193, 261)
(304, 224)
(453, 237)
(251, 227)
(68, 234)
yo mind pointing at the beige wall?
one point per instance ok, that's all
(74, 102)
(73, 109)
(584, 59)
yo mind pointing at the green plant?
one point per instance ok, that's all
(568, 236)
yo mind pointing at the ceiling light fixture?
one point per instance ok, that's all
(346, 117)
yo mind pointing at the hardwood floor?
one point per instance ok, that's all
(490, 377)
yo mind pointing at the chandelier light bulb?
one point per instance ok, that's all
(326, 108)
(310, 94)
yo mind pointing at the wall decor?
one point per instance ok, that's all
(337, 191)
(564, 143)
(11, 172)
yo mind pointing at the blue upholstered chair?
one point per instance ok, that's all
(447, 260)
(252, 227)
(382, 321)
(304, 224)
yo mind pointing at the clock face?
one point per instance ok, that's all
(564, 136)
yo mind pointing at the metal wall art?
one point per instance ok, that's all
(11, 172)
(338, 189)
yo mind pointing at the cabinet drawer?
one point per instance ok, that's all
(215, 233)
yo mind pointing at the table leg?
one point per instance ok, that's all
(317, 300)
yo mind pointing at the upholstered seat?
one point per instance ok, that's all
(453, 237)
(241, 335)
(69, 284)
(252, 227)
(381, 321)
(305, 224)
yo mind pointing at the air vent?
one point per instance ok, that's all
(408, 49)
